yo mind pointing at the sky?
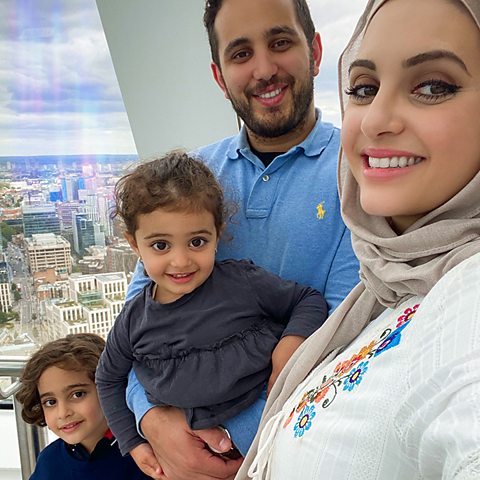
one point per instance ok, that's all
(58, 90)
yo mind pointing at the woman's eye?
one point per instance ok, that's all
(435, 90)
(198, 242)
(362, 93)
(160, 246)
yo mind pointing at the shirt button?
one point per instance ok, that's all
(266, 178)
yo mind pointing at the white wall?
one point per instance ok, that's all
(162, 60)
(9, 452)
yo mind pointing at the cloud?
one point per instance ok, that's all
(335, 20)
(58, 81)
(58, 90)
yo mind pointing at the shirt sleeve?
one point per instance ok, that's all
(137, 399)
(302, 309)
(138, 282)
(111, 379)
(439, 421)
(343, 274)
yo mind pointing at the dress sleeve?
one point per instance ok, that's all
(439, 422)
(302, 309)
(111, 379)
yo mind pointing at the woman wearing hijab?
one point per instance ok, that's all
(389, 387)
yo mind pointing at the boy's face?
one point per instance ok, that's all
(71, 407)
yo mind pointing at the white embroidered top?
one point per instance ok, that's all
(401, 402)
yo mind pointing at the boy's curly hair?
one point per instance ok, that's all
(79, 352)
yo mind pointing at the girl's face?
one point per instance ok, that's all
(411, 131)
(177, 250)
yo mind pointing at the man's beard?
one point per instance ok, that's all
(275, 125)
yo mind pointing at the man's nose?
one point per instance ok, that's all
(265, 66)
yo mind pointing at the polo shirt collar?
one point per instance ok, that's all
(312, 146)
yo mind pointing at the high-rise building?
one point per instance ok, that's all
(86, 233)
(40, 218)
(69, 184)
(66, 211)
(47, 250)
(5, 286)
(120, 258)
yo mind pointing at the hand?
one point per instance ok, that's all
(281, 355)
(146, 461)
(182, 452)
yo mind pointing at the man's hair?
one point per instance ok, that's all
(212, 7)
(174, 182)
(77, 352)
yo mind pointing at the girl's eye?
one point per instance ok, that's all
(198, 242)
(50, 402)
(79, 394)
(160, 246)
(362, 93)
(433, 91)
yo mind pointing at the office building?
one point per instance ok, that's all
(40, 218)
(46, 251)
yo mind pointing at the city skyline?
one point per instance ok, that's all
(58, 90)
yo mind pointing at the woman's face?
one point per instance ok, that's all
(411, 131)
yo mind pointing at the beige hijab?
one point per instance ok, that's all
(392, 267)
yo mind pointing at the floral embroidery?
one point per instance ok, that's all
(355, 376)
(304, 421)
(347, 375)
(407, 315)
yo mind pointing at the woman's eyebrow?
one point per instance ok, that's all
(360, 62)
(434, 55)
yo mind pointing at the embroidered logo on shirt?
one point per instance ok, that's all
(346, 376)
(321, 210)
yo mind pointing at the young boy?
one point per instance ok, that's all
(58, 391)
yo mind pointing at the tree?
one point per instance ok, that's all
(6, 317)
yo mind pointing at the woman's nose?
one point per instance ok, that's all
(382, 116)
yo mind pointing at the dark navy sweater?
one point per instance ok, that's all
(60, 461)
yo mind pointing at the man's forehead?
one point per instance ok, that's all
(248, 19)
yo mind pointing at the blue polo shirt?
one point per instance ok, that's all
(288, 219)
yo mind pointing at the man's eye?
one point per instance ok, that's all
(160, 246)
(198, 242)
(281, 44)
(241, 56)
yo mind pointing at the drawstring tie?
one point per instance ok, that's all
(261, 460)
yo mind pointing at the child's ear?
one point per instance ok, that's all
(132, 242)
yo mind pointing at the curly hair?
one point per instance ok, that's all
(174, 182)
(212, 7)
(78, 352)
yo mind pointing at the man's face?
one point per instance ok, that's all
(266, 65)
